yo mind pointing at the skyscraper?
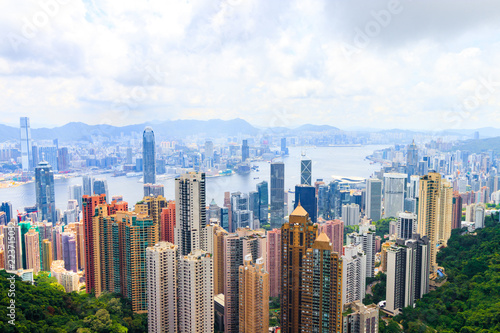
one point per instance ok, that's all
(87, 185)
(435, 212)
(44, 187)
(412, 160)
(76, 193)
(253, 296)
(277, 194)
(245, 151)
(26, 154)
(263, 193)
(190, 213)
(100, 186)
(306, 195)
(374, 199)
(161, 285)
(148, 156)
(394, 193)
(196, 293)
(306, 172)
(6, 207)
(274, 261)
(297, 236)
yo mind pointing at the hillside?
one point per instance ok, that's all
(47, 308)
(480, 146)
(470, 300)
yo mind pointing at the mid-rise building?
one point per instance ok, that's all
(360, 318)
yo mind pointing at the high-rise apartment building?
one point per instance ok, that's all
(297, 235)
(253, 296)
(374, 199)
(306, 172)
(274, 261)
(406, 225)
(196, 293)
(321, 307)
(161, 285)
(32, 239)
(236, 247)
(45, 194)
(148, 156)
(190, 213)
(167, 223)
(407, 273)
(353, 274)
(394, 193)
(46, 255)
(457, 211)
(217, 249)
(435, 212)
(13, 247)
(154, 190)
(90, 203)
(26, 154)
(479, 209)
(334, 229)
(350, 214)
(277, 194)
(367, 241)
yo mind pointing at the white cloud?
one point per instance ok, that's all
(269, 62)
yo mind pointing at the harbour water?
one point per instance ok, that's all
(327, 162)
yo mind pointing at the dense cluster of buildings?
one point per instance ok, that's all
(195, 267)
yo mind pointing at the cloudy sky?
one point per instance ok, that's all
(351, 64)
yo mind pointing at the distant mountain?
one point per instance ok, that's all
(172, 129)
(480, 146)
(316, 128)
(9, 133)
